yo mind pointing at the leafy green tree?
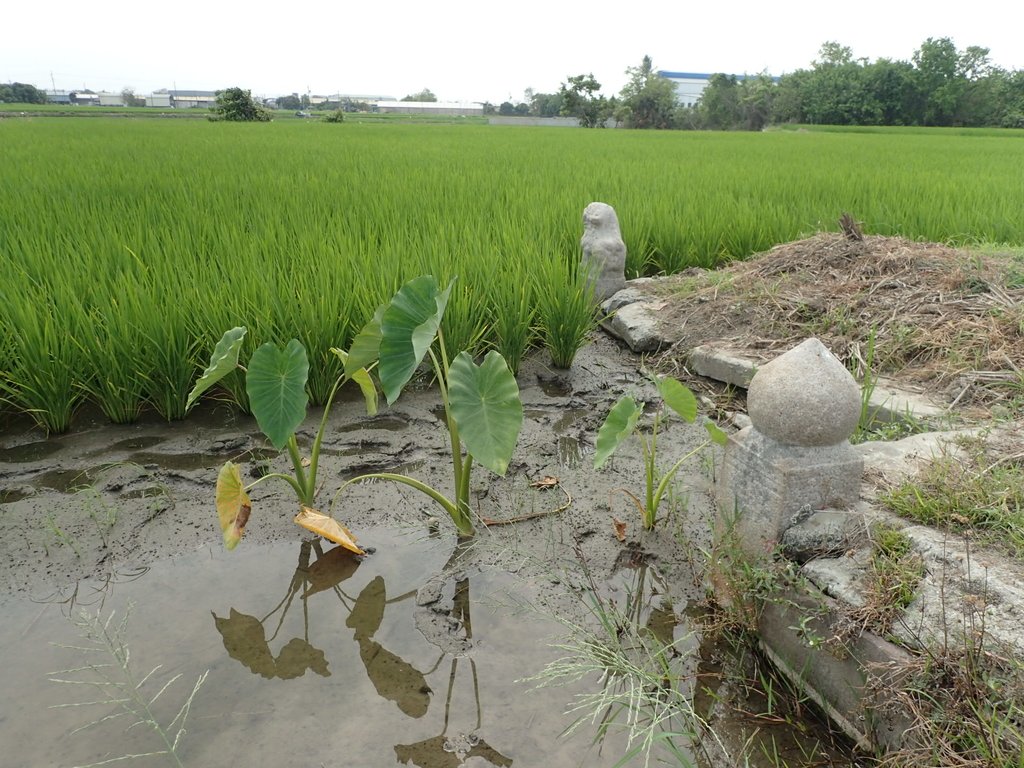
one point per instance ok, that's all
(832, 54)
(836, 91)
(506, 109)
(647, 100)
(545, 104)
(425, 95)
(937, 63)
(719, 104)
(130, 99)
(893, 88)
(237, 105)
(580, 99)
(756, 94)
(787, 102)
(1013, 100)
(289, 102)
(21, 93)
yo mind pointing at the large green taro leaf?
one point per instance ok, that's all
(222, 362)
(619, 424)
(677, 397)
(366, 345)
(276, 385)
(484, 401)
(408, 327)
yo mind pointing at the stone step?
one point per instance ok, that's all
(888, 403)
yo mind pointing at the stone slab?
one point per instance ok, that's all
(824, 533)
(635, 325)
(889, 403)
(851, 681)
(722, 364)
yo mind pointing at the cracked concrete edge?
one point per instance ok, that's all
(853, 681)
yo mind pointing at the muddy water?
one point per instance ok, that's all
(410, 657)
(314, 658)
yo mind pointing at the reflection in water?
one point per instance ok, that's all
(443, 750)
(245, 636)
(245, 641)
(396, 680)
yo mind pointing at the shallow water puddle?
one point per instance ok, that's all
(314, 658)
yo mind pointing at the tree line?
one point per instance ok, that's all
(940, 86)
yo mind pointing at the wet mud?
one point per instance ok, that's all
(413, 655)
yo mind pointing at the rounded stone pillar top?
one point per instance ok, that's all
(804, 397)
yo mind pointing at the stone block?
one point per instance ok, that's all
(721, 364)
(828, 532)
(763, 484)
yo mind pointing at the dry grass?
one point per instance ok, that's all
(945, 320)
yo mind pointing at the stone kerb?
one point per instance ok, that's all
(796, 455)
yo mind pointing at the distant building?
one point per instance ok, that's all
(690, 85)
(86, 98)
(361, 97)
(192, 99)
(430, 107)
(108, 99)
(58, 97)
(160, 99)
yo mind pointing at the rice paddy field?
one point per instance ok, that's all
(129, 246)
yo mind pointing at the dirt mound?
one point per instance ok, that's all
(933, 317)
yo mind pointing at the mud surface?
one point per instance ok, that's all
(412, 655)
(104, 497)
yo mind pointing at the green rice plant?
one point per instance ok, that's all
(46, 364)
(566, 312)
(512, 321)
(117, 384)
(482, 407)
(365, 209)
(62, 537)
(622, 421)
(121, 688)
(172, 357)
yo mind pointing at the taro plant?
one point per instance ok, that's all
(482, 407)
(275, 383)
(621, 423)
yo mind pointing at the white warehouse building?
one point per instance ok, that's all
(690, 85)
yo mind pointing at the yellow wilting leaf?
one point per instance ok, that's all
(329, 528)
(233, 505)
(620, 529)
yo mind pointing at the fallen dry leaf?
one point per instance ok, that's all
(545, 482)
(620, 529)
(328, 527)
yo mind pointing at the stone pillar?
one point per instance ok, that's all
(604, 252)
(796, 455)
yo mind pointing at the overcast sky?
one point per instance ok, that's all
(463, 50)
